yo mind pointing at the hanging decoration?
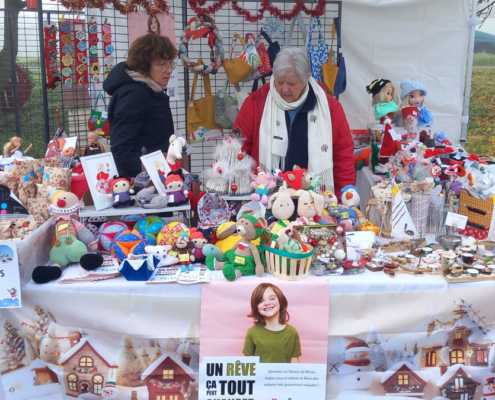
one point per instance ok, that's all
(196, 6)
(152, 8)
(108, 48)
(202, 27)
(274, 27)
(81, 53)
(52, 71)
(94, 65)
(66, 59)
(265, 5)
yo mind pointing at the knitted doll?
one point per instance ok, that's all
(121, 192)
(413, 95)
(245, 258)
(183, 248)
(350, 215)
(175, 191)
(282, 207)
(310, 206)
(96, 146)
(262, 184)
(14, 145)
(199, 241)
(384, 99)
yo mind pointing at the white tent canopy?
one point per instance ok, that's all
(423, 40)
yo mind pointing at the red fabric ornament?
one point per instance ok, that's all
(52, 71)
(81, 56)
(106, 28)
(94, 65)
(265, 5)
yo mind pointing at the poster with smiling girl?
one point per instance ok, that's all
(281, 326)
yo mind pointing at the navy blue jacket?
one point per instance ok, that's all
(139, 117)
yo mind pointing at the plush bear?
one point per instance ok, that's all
(245, 258)
(121, 192)
(71, 240)
(183, 248)
(161, 252)
(146, 199)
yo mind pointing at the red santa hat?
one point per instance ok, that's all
(357, 346)
(389, 145)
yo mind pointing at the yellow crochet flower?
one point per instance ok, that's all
(65, 39)
(67, 59)
(95, 68)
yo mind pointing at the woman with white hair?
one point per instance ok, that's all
(292, 121)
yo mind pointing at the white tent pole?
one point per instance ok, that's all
(469, 74)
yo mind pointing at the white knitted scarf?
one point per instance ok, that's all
(274, 141)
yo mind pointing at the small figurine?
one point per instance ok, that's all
(183, 248)
(96, 146)
(199, 241)
(161, 253)
(384, 100)
(174, 153)
(245, 258)
(14, 145)
(350, 215)
(331, 204)
(121, 192)
(413, 95)
(175, 191)
(262, 184)
(145, 199)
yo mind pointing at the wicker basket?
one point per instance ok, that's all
(288, 266)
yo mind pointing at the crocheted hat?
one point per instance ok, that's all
(407, 86)
(377, 85)
(257, 225)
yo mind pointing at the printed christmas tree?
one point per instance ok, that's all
(12, 349)
(130, 365)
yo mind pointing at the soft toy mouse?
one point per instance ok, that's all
(71, 240)
(121, 192)
(262, 184)
(199, 242)
(183, 248)
(245, 258)
(175, 191)
(161, 252)
(350, 215)
(174, 153)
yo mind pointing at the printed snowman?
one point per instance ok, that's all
(357, 374)
(489, 389)
(109, 390)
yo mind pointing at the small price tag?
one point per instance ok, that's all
(458, 220)
(395, 190)
(239, 260)
(171, 198)
(104, 115)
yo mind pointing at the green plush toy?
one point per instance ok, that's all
(292, 246)
(245, 258)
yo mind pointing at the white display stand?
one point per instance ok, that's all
(90, 211)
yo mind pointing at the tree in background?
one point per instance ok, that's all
(130, 365)
(485, 8)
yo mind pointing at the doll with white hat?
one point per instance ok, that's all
(413, 94)
(384, 99)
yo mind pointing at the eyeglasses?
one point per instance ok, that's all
(166, 65)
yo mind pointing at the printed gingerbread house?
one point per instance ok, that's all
(403, 380)
(459, 382)
(87, 366)
(169, 377)
(463, 339)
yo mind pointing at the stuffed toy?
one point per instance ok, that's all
(183, 248)
(128, 243)
(71, 241)
(146, 199)
(199, 242)
(121, 192)
(331, 204)
(214, 250)
(177, 195)
(282, 207)
(413, 95)
(384, 99)
(170, 233)
(310, 206)
(162, 254)
(297, 179)
(350, 215)
(151, 226)
(245, 258)
(107, 233)
(174, 153)
(262, 184)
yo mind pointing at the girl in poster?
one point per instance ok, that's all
(153, 25)
(271, 338)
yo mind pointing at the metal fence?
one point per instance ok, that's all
(29, 109)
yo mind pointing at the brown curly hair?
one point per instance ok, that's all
(148, 48)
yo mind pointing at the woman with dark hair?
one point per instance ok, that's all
(154, 25)
(271, 338)
(139, 110)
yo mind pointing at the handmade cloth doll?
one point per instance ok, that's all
(174, 153)
(71, 241)
(412, 95)
(262, 184)
(121, 192)
(331, 213)
(199, 241)
(282, 207)
(384, 99)
(174, 189)
(162, 254)
(245, 258)
(96, 146)
(146, 199)
(310, 206)
(297, 179)
(183, 248)
(15, 145)
(350, 215)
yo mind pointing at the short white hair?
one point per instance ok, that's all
(290, 61)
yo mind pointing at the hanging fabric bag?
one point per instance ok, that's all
(317, 54)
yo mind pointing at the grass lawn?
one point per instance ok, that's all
(481, 127)
(483, 59)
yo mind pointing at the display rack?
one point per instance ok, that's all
(90, 211)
